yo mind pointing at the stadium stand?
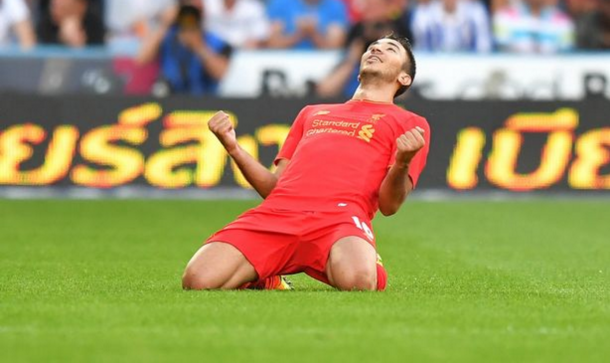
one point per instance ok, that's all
(131, 39)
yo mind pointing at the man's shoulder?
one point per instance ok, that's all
(403, 112)
(408, 118)
(217, 43)
(322, 107)
(211, 37)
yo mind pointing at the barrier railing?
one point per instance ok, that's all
(110, 142)
(290, 74)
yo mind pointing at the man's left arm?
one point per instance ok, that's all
(216, 64)
(397, 184)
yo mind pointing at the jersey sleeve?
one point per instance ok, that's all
(419, 160)
(293, 138)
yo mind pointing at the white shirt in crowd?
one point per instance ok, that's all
(129, 21)
(12, 12)
(519, 30)
(467, 29)
(245, 22)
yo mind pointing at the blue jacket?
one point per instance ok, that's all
(183, 69)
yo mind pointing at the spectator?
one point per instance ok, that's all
(15, 23)
(593, 28)
(357, 8)
(452, 26)
(579, 7)
(377, 22)
(129, 22)
(71, 23)
(241, 23)
(192, 61)
(532, 26)
(488, 5)
(307, 24)
(354, 10)
(399, 8)
(495, 5)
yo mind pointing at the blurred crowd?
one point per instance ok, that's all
(433, 25)
(192, 40)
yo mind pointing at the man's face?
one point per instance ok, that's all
(384, 58)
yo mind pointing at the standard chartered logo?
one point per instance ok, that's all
(366, 133)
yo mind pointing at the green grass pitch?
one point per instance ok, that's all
(470, 281)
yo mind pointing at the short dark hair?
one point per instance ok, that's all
(410, 67)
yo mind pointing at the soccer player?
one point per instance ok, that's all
(339, 165)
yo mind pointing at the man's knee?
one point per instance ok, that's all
(352, 265)
(198, 274)
(217, 266)
(358, 278)
(194, 279)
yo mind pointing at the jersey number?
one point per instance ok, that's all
(363, 227)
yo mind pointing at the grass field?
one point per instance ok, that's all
(99, 281)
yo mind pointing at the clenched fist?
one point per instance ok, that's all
(408, 144)
(222, 127)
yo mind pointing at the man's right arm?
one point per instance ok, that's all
(261, 179)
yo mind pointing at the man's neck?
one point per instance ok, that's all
(374, 92)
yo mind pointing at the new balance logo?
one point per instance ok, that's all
(366, 133)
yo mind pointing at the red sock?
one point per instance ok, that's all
(382, 278)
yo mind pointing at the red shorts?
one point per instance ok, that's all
(283, 242)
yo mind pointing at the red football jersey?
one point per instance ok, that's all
(339, 155)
